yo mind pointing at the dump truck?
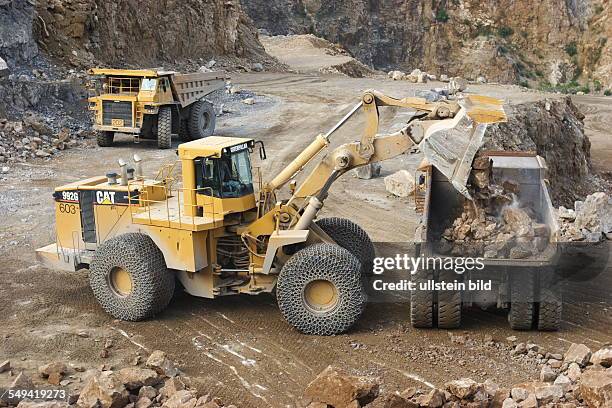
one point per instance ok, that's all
(529, 288)
(152, 104)
(207, 222)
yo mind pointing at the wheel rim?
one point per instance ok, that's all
(320, 296)
(120, 281)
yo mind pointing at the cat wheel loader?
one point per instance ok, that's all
(152, 104)
(213, 231)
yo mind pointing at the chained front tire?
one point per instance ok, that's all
(129, 278)
(105, 139)
(522, 292)
(320, 291)
(351, 237)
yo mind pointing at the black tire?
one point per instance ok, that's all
(164, 127)
(449, 302)
(105, 139)
(351, 237)
(421, 302)
(550, 303)
(201, 120)
(184, 131)
(330, 265)
(522, 291)
(152, 284)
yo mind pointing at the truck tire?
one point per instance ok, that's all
(201, 120)
(421, 302)
(105, 139)
(164, 127)
(351, 237)
(129, 278)
(522, 291)
(449, 303)
(184, 131)
(320, 291)
(550, 302)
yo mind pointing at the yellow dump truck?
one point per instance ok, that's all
(153, 104)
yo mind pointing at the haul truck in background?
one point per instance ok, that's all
(153, 104)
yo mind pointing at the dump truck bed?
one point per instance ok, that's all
(189, 88)
(442, 203)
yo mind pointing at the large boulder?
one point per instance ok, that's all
(135, 377)
(182, 399)
(594, 214)
(603, 356)
(400, 183)
(105, 390)
(577, 353)
(596, 388)
(338, 389)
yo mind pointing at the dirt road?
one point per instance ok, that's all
(239, 348)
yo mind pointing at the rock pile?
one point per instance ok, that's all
(576, 379)
(590, 220)
(416, 76)
(35, 137)
(494, 224)
(158, 384)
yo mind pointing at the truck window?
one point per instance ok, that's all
(148, 84)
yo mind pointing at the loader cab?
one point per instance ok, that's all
(220, 173)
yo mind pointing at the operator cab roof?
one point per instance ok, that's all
(213, 146)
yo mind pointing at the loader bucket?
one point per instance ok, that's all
(450, 145)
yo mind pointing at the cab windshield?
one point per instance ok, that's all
(225, 177)
(148, 84)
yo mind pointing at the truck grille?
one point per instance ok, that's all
(116, 110)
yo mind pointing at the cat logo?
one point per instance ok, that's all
(105, 197)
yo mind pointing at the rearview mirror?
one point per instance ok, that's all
(262, 150)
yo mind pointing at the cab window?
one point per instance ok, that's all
(226, 177)
(148, 84)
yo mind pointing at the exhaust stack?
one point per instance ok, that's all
(112, 178)
(124, 175)
(138, 165)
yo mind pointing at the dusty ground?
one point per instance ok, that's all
(239, 348)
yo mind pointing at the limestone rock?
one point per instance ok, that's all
(433, 399)
(547, 374)
(103, 391)
(159, 362)
(182, 399)
(596, 388)
(400, 183)
(463, 388)
(51, 368)
(548, 393)
(602, 357)
(42, 404)
(577, 353)
(335, 387)
(134, 377)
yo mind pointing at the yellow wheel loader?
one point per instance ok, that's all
(211, 229)
(152, 104)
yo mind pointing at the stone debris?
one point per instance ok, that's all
(602, 357)
(456, 85)
(159, 362)
(577, 353)
(368, 171)
(400, 183)
(494, 224)
(596, 388)
(590, 220)
(335, 387)
(416, 76)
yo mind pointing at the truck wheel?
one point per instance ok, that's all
(522, 290)
(351, 237)
(184, 131)
(129, 278)
(449, 303)
(201, 120)
(105, 139)
(320, 291)
(550, 303)
(421, 302)
(164, 127)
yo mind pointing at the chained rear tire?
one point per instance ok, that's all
(144, 286)
(164, 127)
(201, 120)
(550, 303)
(351, 237)
(105, 139)
(449, 303)
(522, 292)
(320, 290)
(421, 302)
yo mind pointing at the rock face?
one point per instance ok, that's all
(17, 43)
(491, 39)
(338, 389)
(83, 30)
(536, 126)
